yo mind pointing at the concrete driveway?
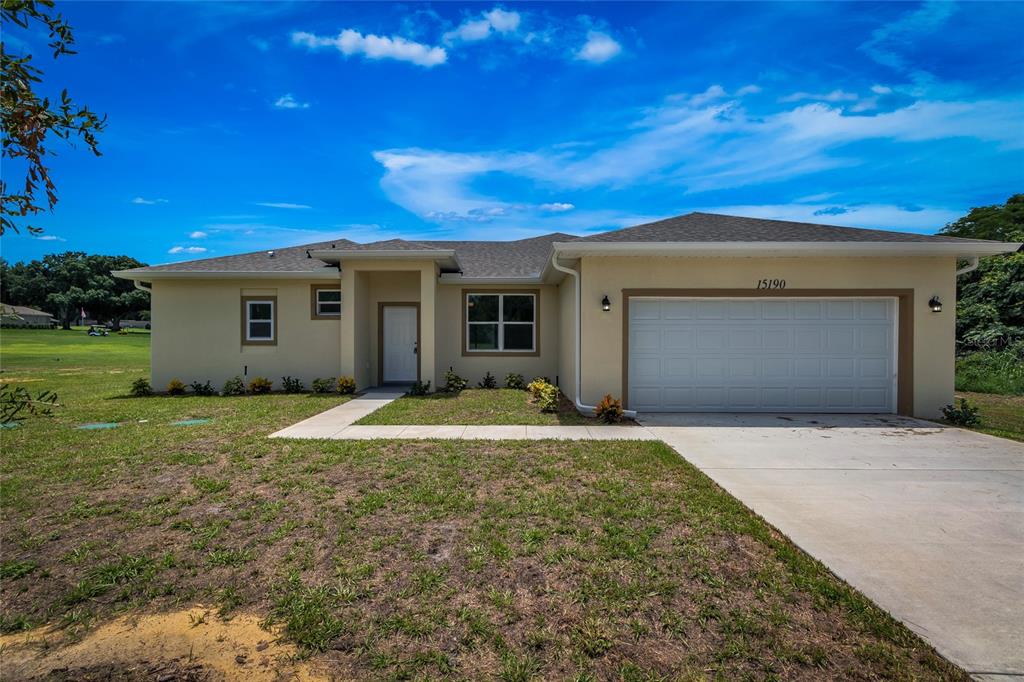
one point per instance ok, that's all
(926, 521)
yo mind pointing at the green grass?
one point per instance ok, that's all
(513, 560)
(473, 406)
(1001, 415)
(999, 372)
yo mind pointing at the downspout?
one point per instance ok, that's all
(972, 265)
(140, 287)
(585, 409)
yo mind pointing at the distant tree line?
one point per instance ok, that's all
(62, 284)
(990, 300)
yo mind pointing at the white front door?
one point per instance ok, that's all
(400, 344)
(762, 355)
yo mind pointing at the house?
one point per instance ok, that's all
(700, 312)
(23, 316)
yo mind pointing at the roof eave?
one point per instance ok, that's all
(784, 249)
(141, 275)
(444, 256)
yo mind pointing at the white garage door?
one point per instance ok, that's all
(762, 355)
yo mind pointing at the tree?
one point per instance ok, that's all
(990, 300)
(64, 283)
(29, 120)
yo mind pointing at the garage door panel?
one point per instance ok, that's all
(762, 355)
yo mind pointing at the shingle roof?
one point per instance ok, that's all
(713, 227)
(528, 257)
(7, 309)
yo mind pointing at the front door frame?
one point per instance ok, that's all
(380, 337)
(904, 324)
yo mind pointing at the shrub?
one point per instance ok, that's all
(346, 385)
(962, 413)
(203, 389)
(419, 388)
(536, 386)
(549, 398)
(141, 387)
(516, 381)
(609, 410)
(323, 385)
(233, 386)
(488, 381)
(175, 387)
(260, 385)
(992, 371)
(292, 385)
(453, 383)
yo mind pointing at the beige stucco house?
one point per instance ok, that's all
(702, 312)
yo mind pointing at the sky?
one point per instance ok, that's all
(239, 126)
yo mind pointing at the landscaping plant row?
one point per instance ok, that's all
(236, 386)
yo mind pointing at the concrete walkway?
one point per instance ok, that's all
(338, 423)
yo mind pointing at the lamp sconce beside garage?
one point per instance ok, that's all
(935, 305)
(606, 305)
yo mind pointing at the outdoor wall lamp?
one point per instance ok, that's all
(606, 305)
(935, 304)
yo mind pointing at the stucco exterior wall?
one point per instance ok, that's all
(934, 333)
(567, 337)
(451, 327)
(198, 333)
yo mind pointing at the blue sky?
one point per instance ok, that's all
(237, 126)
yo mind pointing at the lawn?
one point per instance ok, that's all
(473, 406)
(394, 559)
(1001, 415)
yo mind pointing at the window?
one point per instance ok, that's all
(325, 301)
(501, 323)
(259, 321)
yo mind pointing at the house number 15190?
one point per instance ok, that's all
(771, 284)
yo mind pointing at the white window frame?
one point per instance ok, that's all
(249, 303)
(501, 323)
(319, 312)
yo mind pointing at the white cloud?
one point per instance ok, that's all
(494, 21)
(350, 42)
(712, 93)
(748, 90)
(148, 202)
(288, 101)
(888, 41)
(187, 249)
(834, 96)
(198, 234)
(50, 238)
(599, 48)
(282, 204)
(881, 89)
(926, 219)
(557, 207)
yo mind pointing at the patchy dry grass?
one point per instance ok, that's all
(1001, 415)
(396, 559)
(473, 406)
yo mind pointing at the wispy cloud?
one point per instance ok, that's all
(913, 218)
(187, 249)
(198, 234)
(599, 48)
(833, 96)
(889, 42)
(282, 204)
(496, 21)
(350, 42)
(50, 238)
(141, 201)
(288, 101)
(557, 207)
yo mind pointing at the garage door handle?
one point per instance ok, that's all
(415, 348)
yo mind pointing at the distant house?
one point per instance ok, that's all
(23, 316)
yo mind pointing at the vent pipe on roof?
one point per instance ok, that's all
(270, 254)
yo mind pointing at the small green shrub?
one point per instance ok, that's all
(260, 385)
(536, 386)
(141, 388)
(419, 388)
(609, 410)
(346, 385)
(203, 389)
(175, 387)
(488, 381)
(292, 385)
(233, 386)
(453, 383)
(962, 413)
(324, 385)
(516, 381)
(549, 398)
